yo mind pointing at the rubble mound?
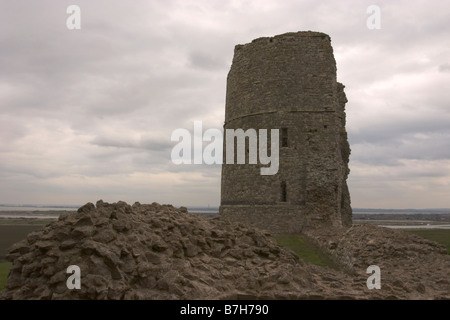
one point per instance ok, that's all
(159, 252)
(411, 267)
(155, 251)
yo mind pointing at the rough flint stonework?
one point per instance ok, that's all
(288, 82)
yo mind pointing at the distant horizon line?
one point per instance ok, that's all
(213, 207)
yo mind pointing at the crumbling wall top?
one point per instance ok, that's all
(288, 36)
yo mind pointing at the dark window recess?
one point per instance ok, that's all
(284, 137)
(325, 126)
(283, 191)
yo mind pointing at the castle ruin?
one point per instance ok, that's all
(288, 82)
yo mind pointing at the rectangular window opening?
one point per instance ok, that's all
(284, 137)
(283, 192)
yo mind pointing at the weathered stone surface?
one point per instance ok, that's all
(171, 254)
(145, 252)
(288, 82)
(411, 267)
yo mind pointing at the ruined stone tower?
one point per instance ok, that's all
(288, 82)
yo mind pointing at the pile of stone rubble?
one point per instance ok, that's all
(161, 252)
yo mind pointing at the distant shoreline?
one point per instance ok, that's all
(400, 219)
(35, 208)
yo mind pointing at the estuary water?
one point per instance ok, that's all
(46, 212)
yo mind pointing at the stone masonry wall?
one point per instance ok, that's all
(289, 82)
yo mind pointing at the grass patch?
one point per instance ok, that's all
(10, 234)
(307, 251)
(4, 270)
(441, 236)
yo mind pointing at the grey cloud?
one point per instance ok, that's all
(409, 148)
(145, 144)
(11, 130)
(206, 61)
(394, 130)
(132, 74)
(156, 145)
(444, 67)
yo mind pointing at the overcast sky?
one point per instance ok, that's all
(88, 114)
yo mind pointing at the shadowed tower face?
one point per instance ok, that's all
(288, 82)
